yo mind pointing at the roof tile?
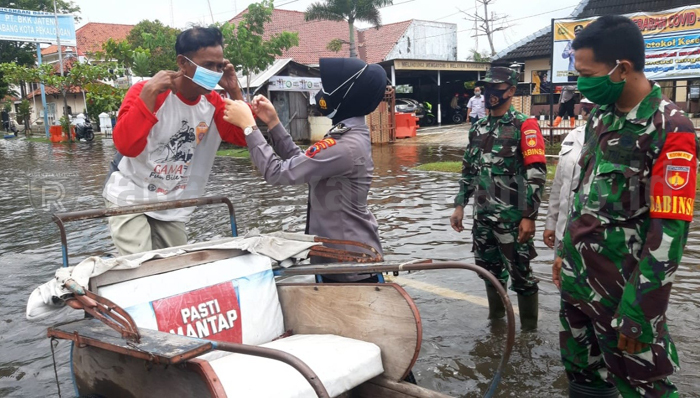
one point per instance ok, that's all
(92, 35)
(314, 36)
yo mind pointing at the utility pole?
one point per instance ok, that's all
(476, 30)
(484, 25)
(60, 61)
(210, 12)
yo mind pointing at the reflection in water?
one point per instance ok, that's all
(460, 348)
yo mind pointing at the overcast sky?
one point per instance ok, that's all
(524, 18)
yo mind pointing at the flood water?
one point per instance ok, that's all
(460, 348)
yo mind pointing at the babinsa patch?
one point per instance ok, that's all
(677, 176)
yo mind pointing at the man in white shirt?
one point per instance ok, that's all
(476, 107)
(169, 130)
(566, 180)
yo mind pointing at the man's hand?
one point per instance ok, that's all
(556, 272)
(239, 114)
(163, 81)
(265, 111)
(526, 230)
(456, 219)
(630, 345)
(229, 81)
(548, 236)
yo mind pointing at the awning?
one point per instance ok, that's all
(258, 79)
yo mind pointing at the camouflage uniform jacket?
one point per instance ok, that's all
(504, 165)
(631, 213)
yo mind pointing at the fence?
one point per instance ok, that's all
(382, 122)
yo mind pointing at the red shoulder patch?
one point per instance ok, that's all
(531, 142)
(673, 178)
(319, 146)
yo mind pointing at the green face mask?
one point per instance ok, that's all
(600, 89)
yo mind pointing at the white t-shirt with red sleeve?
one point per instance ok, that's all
(167, 154)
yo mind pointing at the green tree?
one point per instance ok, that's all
(102, 97)
(133, 61)
(350, 11)
(80, 75)
(159, 40)
(480, 57)
(24, 112)
(245, 47)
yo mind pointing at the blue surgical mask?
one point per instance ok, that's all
(205, 77)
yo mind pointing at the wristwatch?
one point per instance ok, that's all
(249, 130)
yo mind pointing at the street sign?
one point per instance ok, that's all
(36, 27)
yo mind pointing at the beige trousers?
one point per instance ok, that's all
(137, 233)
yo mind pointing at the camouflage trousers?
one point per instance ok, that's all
(496, 248)
(588, 346)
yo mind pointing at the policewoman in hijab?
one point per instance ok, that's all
(338, 168)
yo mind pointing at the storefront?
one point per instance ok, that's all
(436, 82)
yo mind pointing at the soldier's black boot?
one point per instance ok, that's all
(579, 390)
(529, 311)
(496, 308)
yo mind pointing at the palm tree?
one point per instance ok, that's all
(348, 10)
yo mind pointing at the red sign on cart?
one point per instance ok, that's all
(210, 313)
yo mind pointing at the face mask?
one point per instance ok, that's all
(205, 77)
(600, 89)
(477, 93)
(494, 97)
(324, 101)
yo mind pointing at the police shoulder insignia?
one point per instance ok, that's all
(319, 146)
(339, 128)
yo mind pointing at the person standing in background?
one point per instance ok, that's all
(476, 107)
(567, 102)
(565, 182)
(504, 167)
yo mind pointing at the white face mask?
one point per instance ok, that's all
(477, 93)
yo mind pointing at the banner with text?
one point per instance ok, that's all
(292, 83)
(672, 40)
(36, 27)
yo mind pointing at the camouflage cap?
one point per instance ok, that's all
(500, 74)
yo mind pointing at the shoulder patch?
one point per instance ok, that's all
(673, 179)
(679, 155)
(319, 146)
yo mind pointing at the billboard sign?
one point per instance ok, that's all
(672, 40)
(36, 27)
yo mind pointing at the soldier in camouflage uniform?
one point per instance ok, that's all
(629, 223)
(504, 167)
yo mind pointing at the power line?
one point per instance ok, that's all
(542, 13)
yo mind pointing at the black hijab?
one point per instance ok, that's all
(366, 87)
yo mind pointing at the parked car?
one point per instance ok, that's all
(407, 105)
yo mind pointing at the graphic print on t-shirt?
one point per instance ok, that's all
(179, 148)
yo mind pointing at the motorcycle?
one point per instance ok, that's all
(457, 116)
(84, 130)
(428, 118)
(10, 126)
